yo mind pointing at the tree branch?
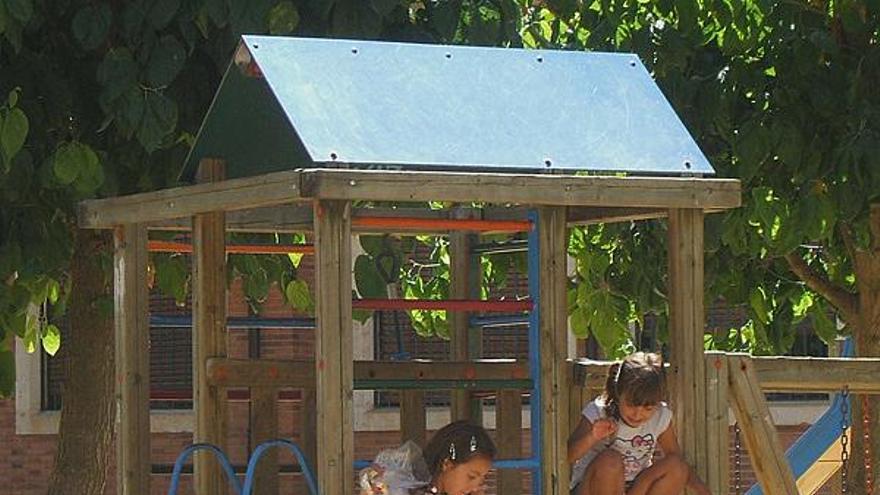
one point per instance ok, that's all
(846, 302)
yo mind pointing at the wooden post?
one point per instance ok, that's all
(508, 424)
(264, 426)
(412, 416)
(686, 327)
(131, 301)
(334, 365)
(459, 330)
(209, 334)
(553, 347)
(758, 431)
(717, 427)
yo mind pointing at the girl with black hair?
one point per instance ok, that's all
(613, 446)
(457, 459)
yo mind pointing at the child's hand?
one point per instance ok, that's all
(603, 428)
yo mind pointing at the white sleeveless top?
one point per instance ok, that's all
(636, 445)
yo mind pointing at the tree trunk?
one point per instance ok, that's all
(85, 436)
(867, 337)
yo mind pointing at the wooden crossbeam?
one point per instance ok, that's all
(301, 373)
(758, 431)
(522, 189)
(861, 375)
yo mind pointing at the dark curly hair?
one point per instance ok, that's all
(464, 438)
(638, 379)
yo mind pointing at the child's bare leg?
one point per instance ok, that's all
(668, 476)
(604, 476)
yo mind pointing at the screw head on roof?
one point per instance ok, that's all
(448, 55)
(333, 155)
(354, 50)
(540, 59)
(632, 63)
(687, 164)
(548, 162)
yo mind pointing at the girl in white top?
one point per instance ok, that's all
(613, 446)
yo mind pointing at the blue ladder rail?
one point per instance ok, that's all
(258, 452)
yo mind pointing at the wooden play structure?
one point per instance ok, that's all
(319, 136)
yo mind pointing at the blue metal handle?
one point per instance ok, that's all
(300, 458)
(221, 458)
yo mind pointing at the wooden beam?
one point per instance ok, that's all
(550, 190)
(180, 202)
(209, 335)
(308, 425)
(758, 432)
(334, 352)
(717, 427)
(232, 373)
(861, 375)
(131, 300)
(263, 427)
(508, 429)
(412, 417)
(553, 349)
(686, 326)
(779, 374)
(459, 324)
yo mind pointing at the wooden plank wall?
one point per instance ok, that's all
(717, 424)
(686, 323)
(334, 368)
(209, 334)
(132, 336)
(553, 348)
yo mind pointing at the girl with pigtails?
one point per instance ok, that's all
(613, 447)
(455, 462)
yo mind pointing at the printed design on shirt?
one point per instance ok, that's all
(637, 453)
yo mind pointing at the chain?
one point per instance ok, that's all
(844, 441)
(866, 442)
(737, 460)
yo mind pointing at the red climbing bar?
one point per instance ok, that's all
(182, 247)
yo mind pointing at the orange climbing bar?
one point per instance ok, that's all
(433, 224)
(446, 304)
(182, 247)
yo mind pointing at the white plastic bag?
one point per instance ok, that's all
(395, 472)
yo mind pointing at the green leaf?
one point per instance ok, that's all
(367, 279)
(166, 61)
(298, 295)
(12, 100)
(21, 10)
(51, 339)
(580, 323)
(758, 302)
(283, 18)
(159, 120)
(162, 12)
(13, 134)
(117, 74)
(7, 373)
(825, 328)
(91, 24)
(71, 159)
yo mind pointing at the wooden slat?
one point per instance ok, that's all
(459, 327)
(334, 353)
(209, 334)
(308, 426)
(861, 375)
(717, 427)
(301, 373)
(758, 431)
(553, 348)
(461, 187)
(412, 417)
(264, 426)
(686, 324)
(131, 301)
(508, 425)
(179, 202)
